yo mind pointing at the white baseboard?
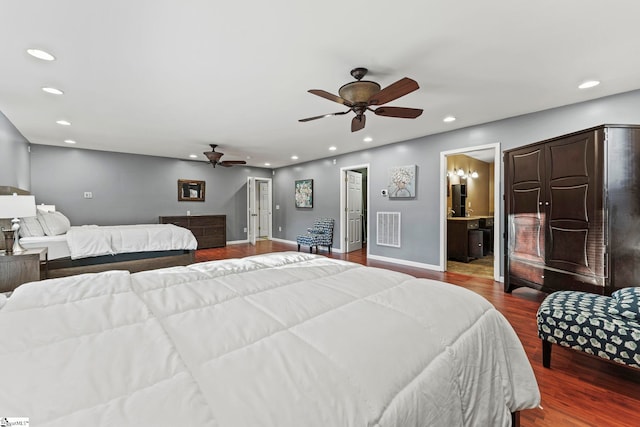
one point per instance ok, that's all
(237, 242)
(405, 262)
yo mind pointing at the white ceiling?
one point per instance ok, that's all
(169, 77)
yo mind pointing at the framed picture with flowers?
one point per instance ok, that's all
(304, 193)
(402, 182)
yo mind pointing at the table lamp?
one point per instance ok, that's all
(15, 207)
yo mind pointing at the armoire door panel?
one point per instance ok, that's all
(526, 203)
(570, 159)
(569, 247)
(526, 167)
(569, 204)
(527, 239)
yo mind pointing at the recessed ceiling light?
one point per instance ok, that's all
(64, 122)
(52, 90)
(332, 148)
(367, 139)
(449, 119)
(193, 156)
(267, 164)
(41, 54)
(294, 157)
(69, 141)
(588, 84)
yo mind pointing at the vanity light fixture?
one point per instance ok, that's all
(41, 54)
(460, 172)
(474, 174)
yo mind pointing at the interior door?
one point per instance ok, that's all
(263, 209)
(354, 211)
(252, 214)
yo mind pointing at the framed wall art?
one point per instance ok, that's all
(304, 193)
(402, 182)
(190, 190)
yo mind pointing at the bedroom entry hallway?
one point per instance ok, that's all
(578, 391)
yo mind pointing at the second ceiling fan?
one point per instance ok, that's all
(360, 95)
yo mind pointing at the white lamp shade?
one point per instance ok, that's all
(17, 206)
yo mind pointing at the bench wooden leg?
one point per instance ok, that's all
(546, 354)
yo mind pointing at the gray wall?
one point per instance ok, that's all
(14, 157)
(421, 216)
(134, 189)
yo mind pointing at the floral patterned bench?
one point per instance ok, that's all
(608, 327)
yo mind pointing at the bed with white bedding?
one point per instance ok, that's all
(284, 339)
(92, 248)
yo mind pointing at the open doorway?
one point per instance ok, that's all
(469, 211)
(259, 215)
(354, 202)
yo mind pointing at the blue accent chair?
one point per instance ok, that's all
(321, 234)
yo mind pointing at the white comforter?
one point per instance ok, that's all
(286, 339)
(92, 240)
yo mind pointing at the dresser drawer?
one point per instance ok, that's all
(209, 230)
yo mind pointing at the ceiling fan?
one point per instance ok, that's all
(214, 158)
(360, 95)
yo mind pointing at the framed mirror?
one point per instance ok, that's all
(190, 190)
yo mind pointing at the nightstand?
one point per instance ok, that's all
(22, 267)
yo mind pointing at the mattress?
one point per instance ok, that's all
(284, 339)
(57, 246)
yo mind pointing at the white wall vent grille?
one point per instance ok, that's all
(389, 229)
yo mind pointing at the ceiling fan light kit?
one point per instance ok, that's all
(360, 95)
(214, 157)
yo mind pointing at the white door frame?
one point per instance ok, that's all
(497, 203)
(251, 203)
(343, 204)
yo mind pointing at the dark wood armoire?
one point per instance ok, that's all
(572, 211)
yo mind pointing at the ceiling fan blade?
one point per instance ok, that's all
(331, 97)
(358, 123)
(324, 115)
(227, 163)
(394, 91)
(404, 113)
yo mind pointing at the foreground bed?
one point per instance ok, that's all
(285, 339)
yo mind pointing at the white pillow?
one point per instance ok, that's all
(30, 227)
(53, 223)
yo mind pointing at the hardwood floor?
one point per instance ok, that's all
(578, 390)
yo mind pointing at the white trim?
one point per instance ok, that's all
(405, 262)
(343, 196)
(497, 203)
(237, 242)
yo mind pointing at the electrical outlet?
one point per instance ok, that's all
(88, 195)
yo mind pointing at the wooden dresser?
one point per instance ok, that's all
(210, 230)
